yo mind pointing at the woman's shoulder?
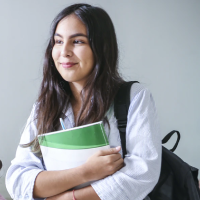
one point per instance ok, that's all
(138, 89)
(141, 97)
(30, 130)
(32, 115)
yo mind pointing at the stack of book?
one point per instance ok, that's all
(71, 148)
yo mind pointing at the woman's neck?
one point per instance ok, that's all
(76, 98)
(76, 92)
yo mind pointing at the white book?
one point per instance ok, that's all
(71, 148)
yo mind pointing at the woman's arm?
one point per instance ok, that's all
(100, 165)
(27, 174)
(80, 194)
(27, 179)
(143, 160)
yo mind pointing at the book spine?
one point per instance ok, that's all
(104, 134)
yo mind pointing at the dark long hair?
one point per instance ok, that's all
(102, 84)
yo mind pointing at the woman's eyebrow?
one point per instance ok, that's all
(71, 36)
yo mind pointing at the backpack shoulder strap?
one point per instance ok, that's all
(121, 106)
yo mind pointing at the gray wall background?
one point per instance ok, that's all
(159, 45)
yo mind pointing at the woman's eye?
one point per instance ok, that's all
(78, 42)
(58, 42)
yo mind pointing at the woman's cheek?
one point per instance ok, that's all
(55, 53)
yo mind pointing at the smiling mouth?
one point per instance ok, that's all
(68, 65)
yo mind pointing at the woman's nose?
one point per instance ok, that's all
(66, 51)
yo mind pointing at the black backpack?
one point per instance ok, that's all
(178, 180)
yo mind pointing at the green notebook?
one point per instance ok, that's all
(70, 148)
(82, 137)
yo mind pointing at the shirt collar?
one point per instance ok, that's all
(69, 110)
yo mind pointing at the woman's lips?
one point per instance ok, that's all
(68, 65)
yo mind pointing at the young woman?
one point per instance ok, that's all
(80, 81)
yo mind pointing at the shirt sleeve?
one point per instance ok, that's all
(24, 168)
(143, 160)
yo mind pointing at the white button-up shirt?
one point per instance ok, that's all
(142, 162)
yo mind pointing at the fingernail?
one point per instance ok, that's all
(117, 148)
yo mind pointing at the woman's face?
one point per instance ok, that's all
(71, 53)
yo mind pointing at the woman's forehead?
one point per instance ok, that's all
(70, 25)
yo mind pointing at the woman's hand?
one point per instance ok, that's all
(103, 163)
(54, 184)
